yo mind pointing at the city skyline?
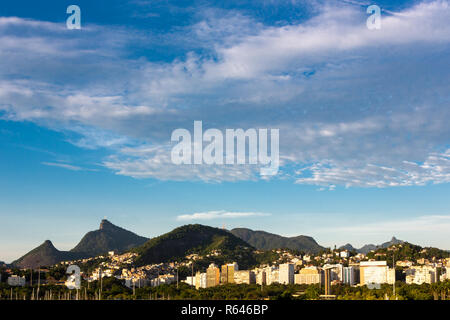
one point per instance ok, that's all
(86, 118)
(71, 246)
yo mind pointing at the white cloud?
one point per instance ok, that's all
(221, 214)
(435, 169)
(343, 96)
(63, 165)
(155, 162)
(20, 22)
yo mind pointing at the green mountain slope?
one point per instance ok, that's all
(108, 238)
(266, 241)
(407, 251)
(189, 239)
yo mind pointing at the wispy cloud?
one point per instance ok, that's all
(435, 169)
(155, 162)
(221, 214)
(67, 166)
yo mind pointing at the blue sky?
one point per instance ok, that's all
(86, 118)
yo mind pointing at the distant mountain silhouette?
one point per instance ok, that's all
(393, 241)
(108, 238)
(348, 247)
(188, 239)
(369, 247)
(266, 241)
(44, 255)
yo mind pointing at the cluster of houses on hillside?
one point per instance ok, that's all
(334, 267)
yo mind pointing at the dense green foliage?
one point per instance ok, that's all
(404, 291)
(196, 238)
(407, 251)
(112, 289)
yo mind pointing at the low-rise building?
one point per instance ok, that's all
(421, 274)
(227, 274)
(309, 275)
(16, 281)
(244, 277)
(190, 280)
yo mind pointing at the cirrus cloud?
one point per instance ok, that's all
(355, 107)
(220, 214)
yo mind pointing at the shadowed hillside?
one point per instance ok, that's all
(266, 241)
(187, 239)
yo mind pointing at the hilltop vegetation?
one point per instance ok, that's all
(407, 251)
(198, 239)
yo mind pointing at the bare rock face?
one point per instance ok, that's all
(108, 237)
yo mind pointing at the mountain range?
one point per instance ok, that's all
(175, 244)
(369, 247)
(262, 240)
(107, 238)
(45, 255)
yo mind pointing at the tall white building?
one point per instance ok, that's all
(260, 276)
(272, 275)
(200, 280)
(376, 272)
(349, 275)
(286, 275)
